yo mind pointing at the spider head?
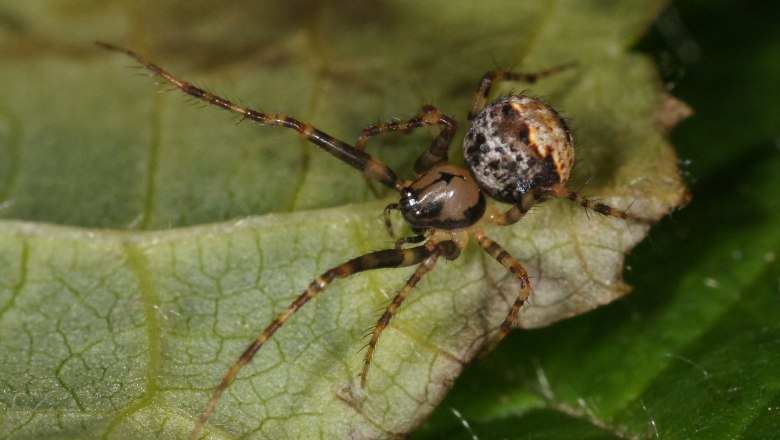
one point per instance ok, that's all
(444, 197)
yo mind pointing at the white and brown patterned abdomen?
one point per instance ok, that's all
(517, 144)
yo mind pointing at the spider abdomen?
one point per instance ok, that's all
(517, 144)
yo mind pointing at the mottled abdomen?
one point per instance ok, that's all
(517, 144)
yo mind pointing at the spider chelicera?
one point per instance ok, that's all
(518, 151)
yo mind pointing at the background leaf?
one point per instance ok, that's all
(122, 330)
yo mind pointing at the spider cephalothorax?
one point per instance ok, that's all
(518, 150)
(445, 197)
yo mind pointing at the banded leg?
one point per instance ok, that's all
(371, 167)
(447, 249)
(483, 90)
(518, 271)
(374, 260)
(516, 212)
(428, 116)
(604, 209)
(509, 217)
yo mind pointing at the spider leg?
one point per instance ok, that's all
(604, 209)
(518, 271)
(411, 239)
(374, 260)
(516, 212)
(483, 90)
(447, 249)
(371, 167)
(509, 217)
(428, 116)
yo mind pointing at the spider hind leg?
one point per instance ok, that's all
(518, 271)
(601, 208)
(486, 83)
(387, 258)
(447, 249)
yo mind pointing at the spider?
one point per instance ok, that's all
(518, 151)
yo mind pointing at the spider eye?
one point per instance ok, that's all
(408, 201)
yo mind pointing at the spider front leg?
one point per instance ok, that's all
(375, 260)
(428, 116)
(447, 249)
(371, 167)
(518, 271)
(485, 84)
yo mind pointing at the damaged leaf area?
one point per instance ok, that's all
(147, 242)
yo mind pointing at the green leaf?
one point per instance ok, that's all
(125, 331)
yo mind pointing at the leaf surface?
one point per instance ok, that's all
(125, 313)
